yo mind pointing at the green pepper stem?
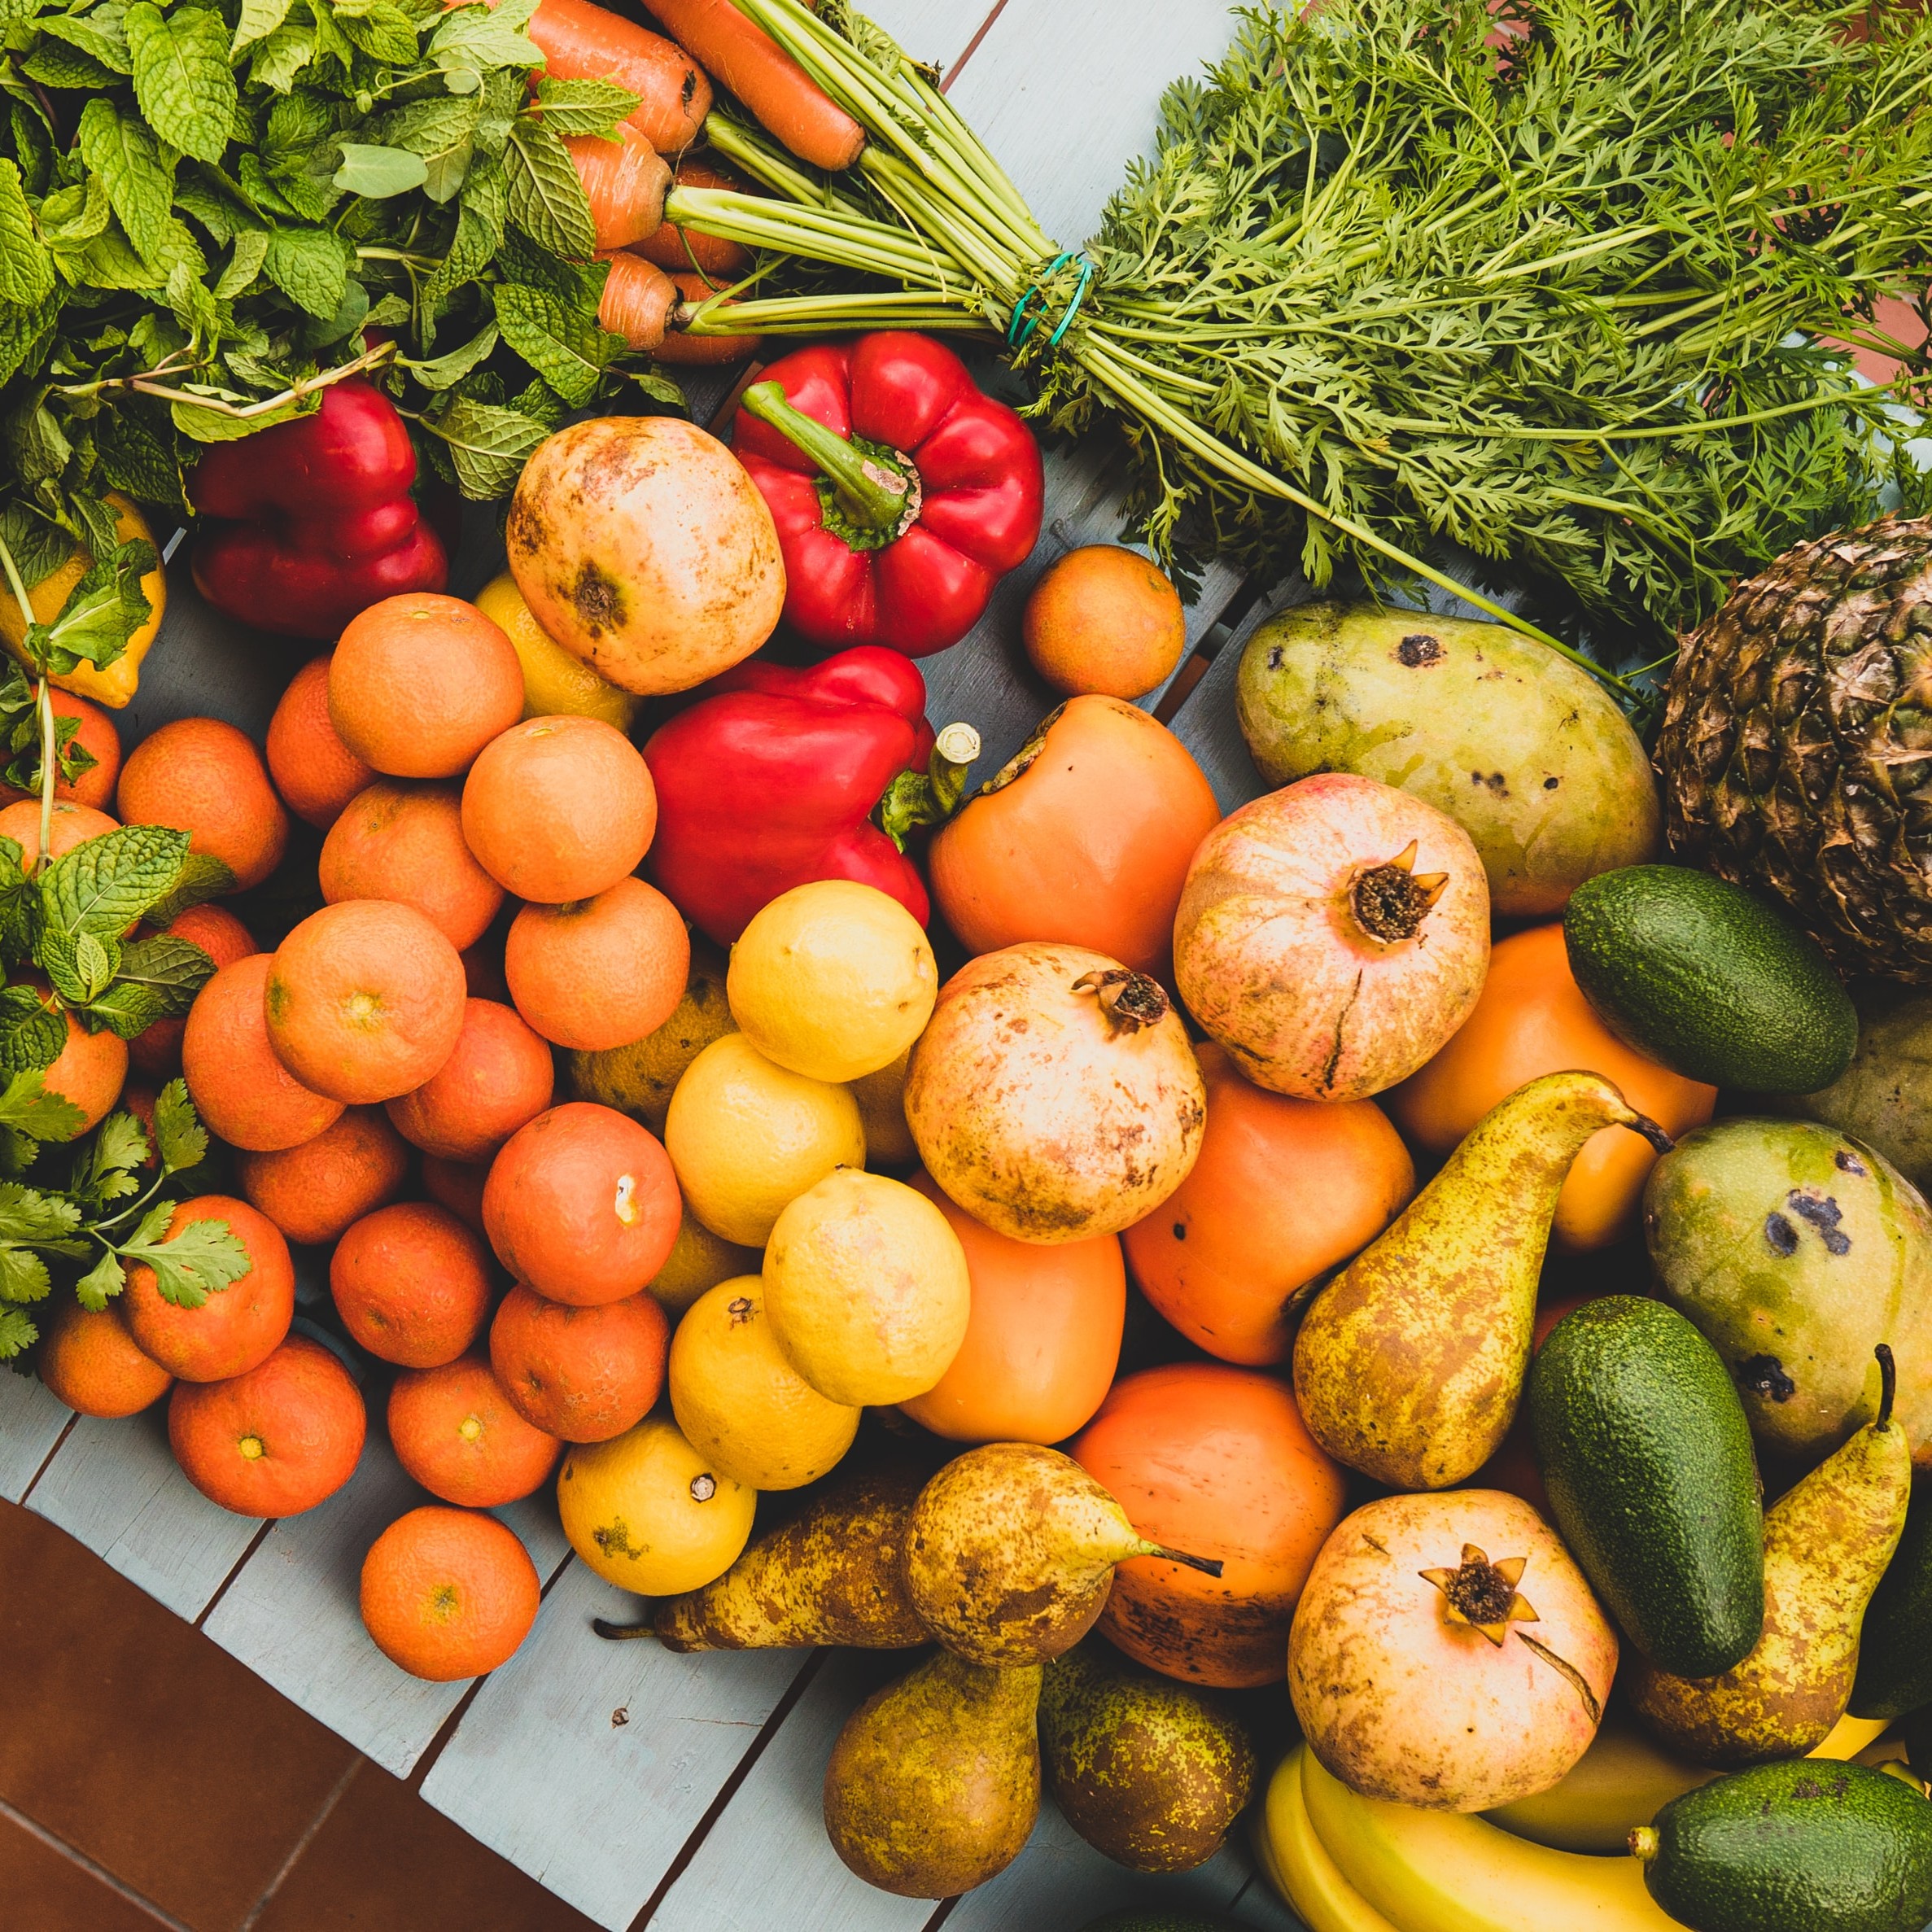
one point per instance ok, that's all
(873, 492)
(928, 797)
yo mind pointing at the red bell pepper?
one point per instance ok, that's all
(772, 779)
(308, 523)
(901, 495)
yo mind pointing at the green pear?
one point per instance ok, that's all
(1827, 1543)
(1151, 1772)
(1010, 1553)
(1409, 1364)
(934, 1783)
(834, 1574)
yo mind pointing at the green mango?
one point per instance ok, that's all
(1526, 752)
(1796, 1248)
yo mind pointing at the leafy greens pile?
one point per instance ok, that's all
(203, 207)
(1524, 276)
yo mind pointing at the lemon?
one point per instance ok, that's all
(556, 682)
(866, 1285)
(881, 1098)
(746, 1136)
(698, 1260)
(833, 980)
(739, 1402)
(639, 1079)
(649, 1513)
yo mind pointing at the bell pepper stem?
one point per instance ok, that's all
(929, 797)
(873, 492)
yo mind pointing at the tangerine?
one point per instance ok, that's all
(315, 773)
(583, 1374)
(237, 1328)
(242, 1091)
(314, 1192)
(156, 1050)
(456, 1432)
(206, 779)
(1103, 619)
(73, 825)
(403, 840)
(448, 1594)
(89, 1361)
(412, 1284)
(88, 1073)
(98, 737)
(500, 1077)
(599, 973)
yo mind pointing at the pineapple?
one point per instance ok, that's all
(1796, 750)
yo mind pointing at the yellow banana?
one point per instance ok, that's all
(1296, 1863)
(1452, 1871)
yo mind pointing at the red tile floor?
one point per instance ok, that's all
(148, 1781)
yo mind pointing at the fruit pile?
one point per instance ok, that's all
(1399, 1241)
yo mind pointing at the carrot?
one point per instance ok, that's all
(746, 60)
(624, 180)
(584, 42)
(679, 347)
(675, 247)
(637, 300)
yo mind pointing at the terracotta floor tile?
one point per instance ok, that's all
(45, 1890)
(386, 1862)
(136, 1739)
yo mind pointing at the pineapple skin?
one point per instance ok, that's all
(1795, 754)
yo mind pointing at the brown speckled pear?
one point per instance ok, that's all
(1151, 1772)
(1010, 1550)
(832, 1576)
(1410, 1362)
(1826, 1544)
(934, 1783)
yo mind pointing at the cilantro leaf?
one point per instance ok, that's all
(204, 1258)
(27, 1214)
(106, 1171)
(26, 1105)
(182, 1140)
(104, 1281)
(17, 1333)
(182, 76)
(24, 1275)
(105, 885)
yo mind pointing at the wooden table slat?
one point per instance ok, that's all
(31, 1421)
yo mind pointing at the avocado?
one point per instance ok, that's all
(1791, 1847)
(1647, 1458)
(1710, 979)
(1895, 1650)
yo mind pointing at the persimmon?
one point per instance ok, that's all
(1042, 1340)
(313, 1192)
(1531, 1020)
(458, 1434)
(1284, 1191)
(498, 1078)
(89, 1361)
(1083, 838)
(412, 1284)
(206, 779)
(243, 1092)
(365, 1000)
(73, 825)
(88, 1073)
(276, 1439)
(237, 1327)
(420, 682)
(96, 736)
(1217, 1461)
(156, 1050)
(583, 1374)
(599, 973)
(448, 1594)
(315, 773)
(402, 839)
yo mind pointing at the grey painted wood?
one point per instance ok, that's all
(766, 1860)
(30, 1424)
(589, 1764)
(938, 31)
(116, 1487)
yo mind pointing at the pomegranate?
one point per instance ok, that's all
(1332, 935)
(1447, 1652)
(1053, 1095)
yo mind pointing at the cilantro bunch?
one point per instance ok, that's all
(211, 208)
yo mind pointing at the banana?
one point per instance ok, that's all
(1452, 1871)
(1296, 1864)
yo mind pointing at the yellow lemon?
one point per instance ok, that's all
(833, 980)
(746, 1136)
(698, 1260)
(866, 1284)
(649, 1513)
(639, 1079)
(116, 684)
(881, 1098)
(739, 1402)
(556, 682)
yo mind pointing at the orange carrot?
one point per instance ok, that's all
(584, 42)
(746, 60)
(674, 247)
(679, 347)
(637, 301)
(624, 180)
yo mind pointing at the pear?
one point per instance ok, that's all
(934, 1783)
(1010, 1550)
(834, 1574)
(1410, 1362)
(1151, 1772)
(1827, 1543)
